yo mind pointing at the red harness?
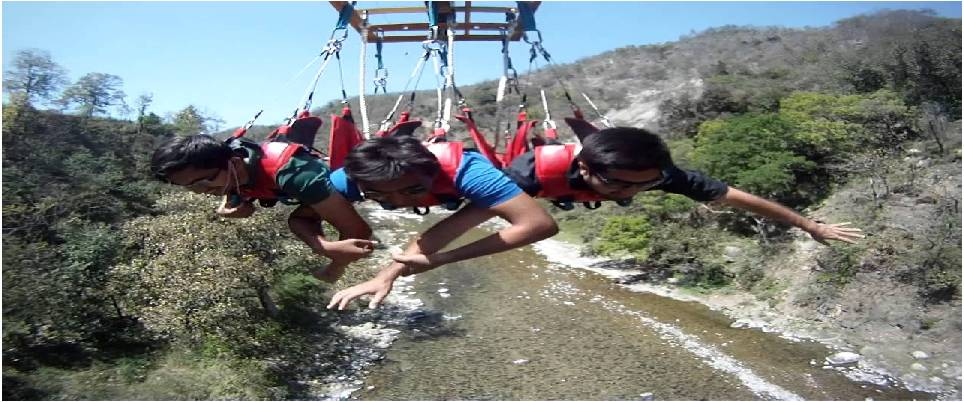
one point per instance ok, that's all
(272, 157)
(552, 163)
(443, 190)
(264, 161)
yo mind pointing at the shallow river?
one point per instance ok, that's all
(515, 326)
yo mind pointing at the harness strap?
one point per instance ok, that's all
(485, 148)
(343, 138)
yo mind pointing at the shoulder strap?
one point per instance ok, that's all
(276, 154)
(449, 156)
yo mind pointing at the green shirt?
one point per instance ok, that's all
(305, 178)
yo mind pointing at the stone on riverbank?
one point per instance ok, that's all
(843, 358)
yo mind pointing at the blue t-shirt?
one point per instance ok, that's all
(476, 180)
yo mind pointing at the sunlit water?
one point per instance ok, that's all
(515, 326)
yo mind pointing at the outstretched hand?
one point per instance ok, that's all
(242, 210)
(836, 231)
(379, 287)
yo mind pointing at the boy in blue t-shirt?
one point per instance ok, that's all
(399, 171)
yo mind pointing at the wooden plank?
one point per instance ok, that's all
(416, 26)
(395, 10)
(421, 38)
(468, 16)
(423, 26)
(500, 10)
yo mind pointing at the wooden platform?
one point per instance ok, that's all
(416, 31)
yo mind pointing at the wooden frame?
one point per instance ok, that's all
(401, 32)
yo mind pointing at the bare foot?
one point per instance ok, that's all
(331, 273)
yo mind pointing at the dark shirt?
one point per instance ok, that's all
(690, 183)
(305, 178)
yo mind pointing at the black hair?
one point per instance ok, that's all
(388, 158)
(197, 151)
(624, 148)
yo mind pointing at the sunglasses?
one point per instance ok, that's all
(624, 184)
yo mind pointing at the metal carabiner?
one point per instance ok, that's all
(381, 80)
(564, 205)
(344, 35)
(421, 212)
(525, 37)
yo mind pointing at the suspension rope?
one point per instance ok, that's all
(333, 47)
(450, 73)
(362, 105)
(602, 117)
(416, 72)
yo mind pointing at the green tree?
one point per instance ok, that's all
(191, 121)
(94, 93)
(34, 76)
(753, 152)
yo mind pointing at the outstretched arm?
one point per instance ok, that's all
(819, 231)
(529, 223)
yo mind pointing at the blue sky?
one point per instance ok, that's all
(231, 59)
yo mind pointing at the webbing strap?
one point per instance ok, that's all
(527, 17)
(344, 17)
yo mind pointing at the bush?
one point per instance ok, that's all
(624, 234)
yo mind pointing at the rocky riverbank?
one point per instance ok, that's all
(884, 355)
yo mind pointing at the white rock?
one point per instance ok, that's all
(813, 362)
(672, 281)
(646, 396)
(741, 323)
(918, 367)
(843, 358)
(520, 361)
(443, 290)
(370, 387)
(920, 355)
(937, 380)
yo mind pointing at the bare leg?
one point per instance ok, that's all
(306, 226)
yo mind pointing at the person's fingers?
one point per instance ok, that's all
(379, 296)
(365, 245)
(401, 258)
(347, 299)
(846, 240)
(335, 300)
